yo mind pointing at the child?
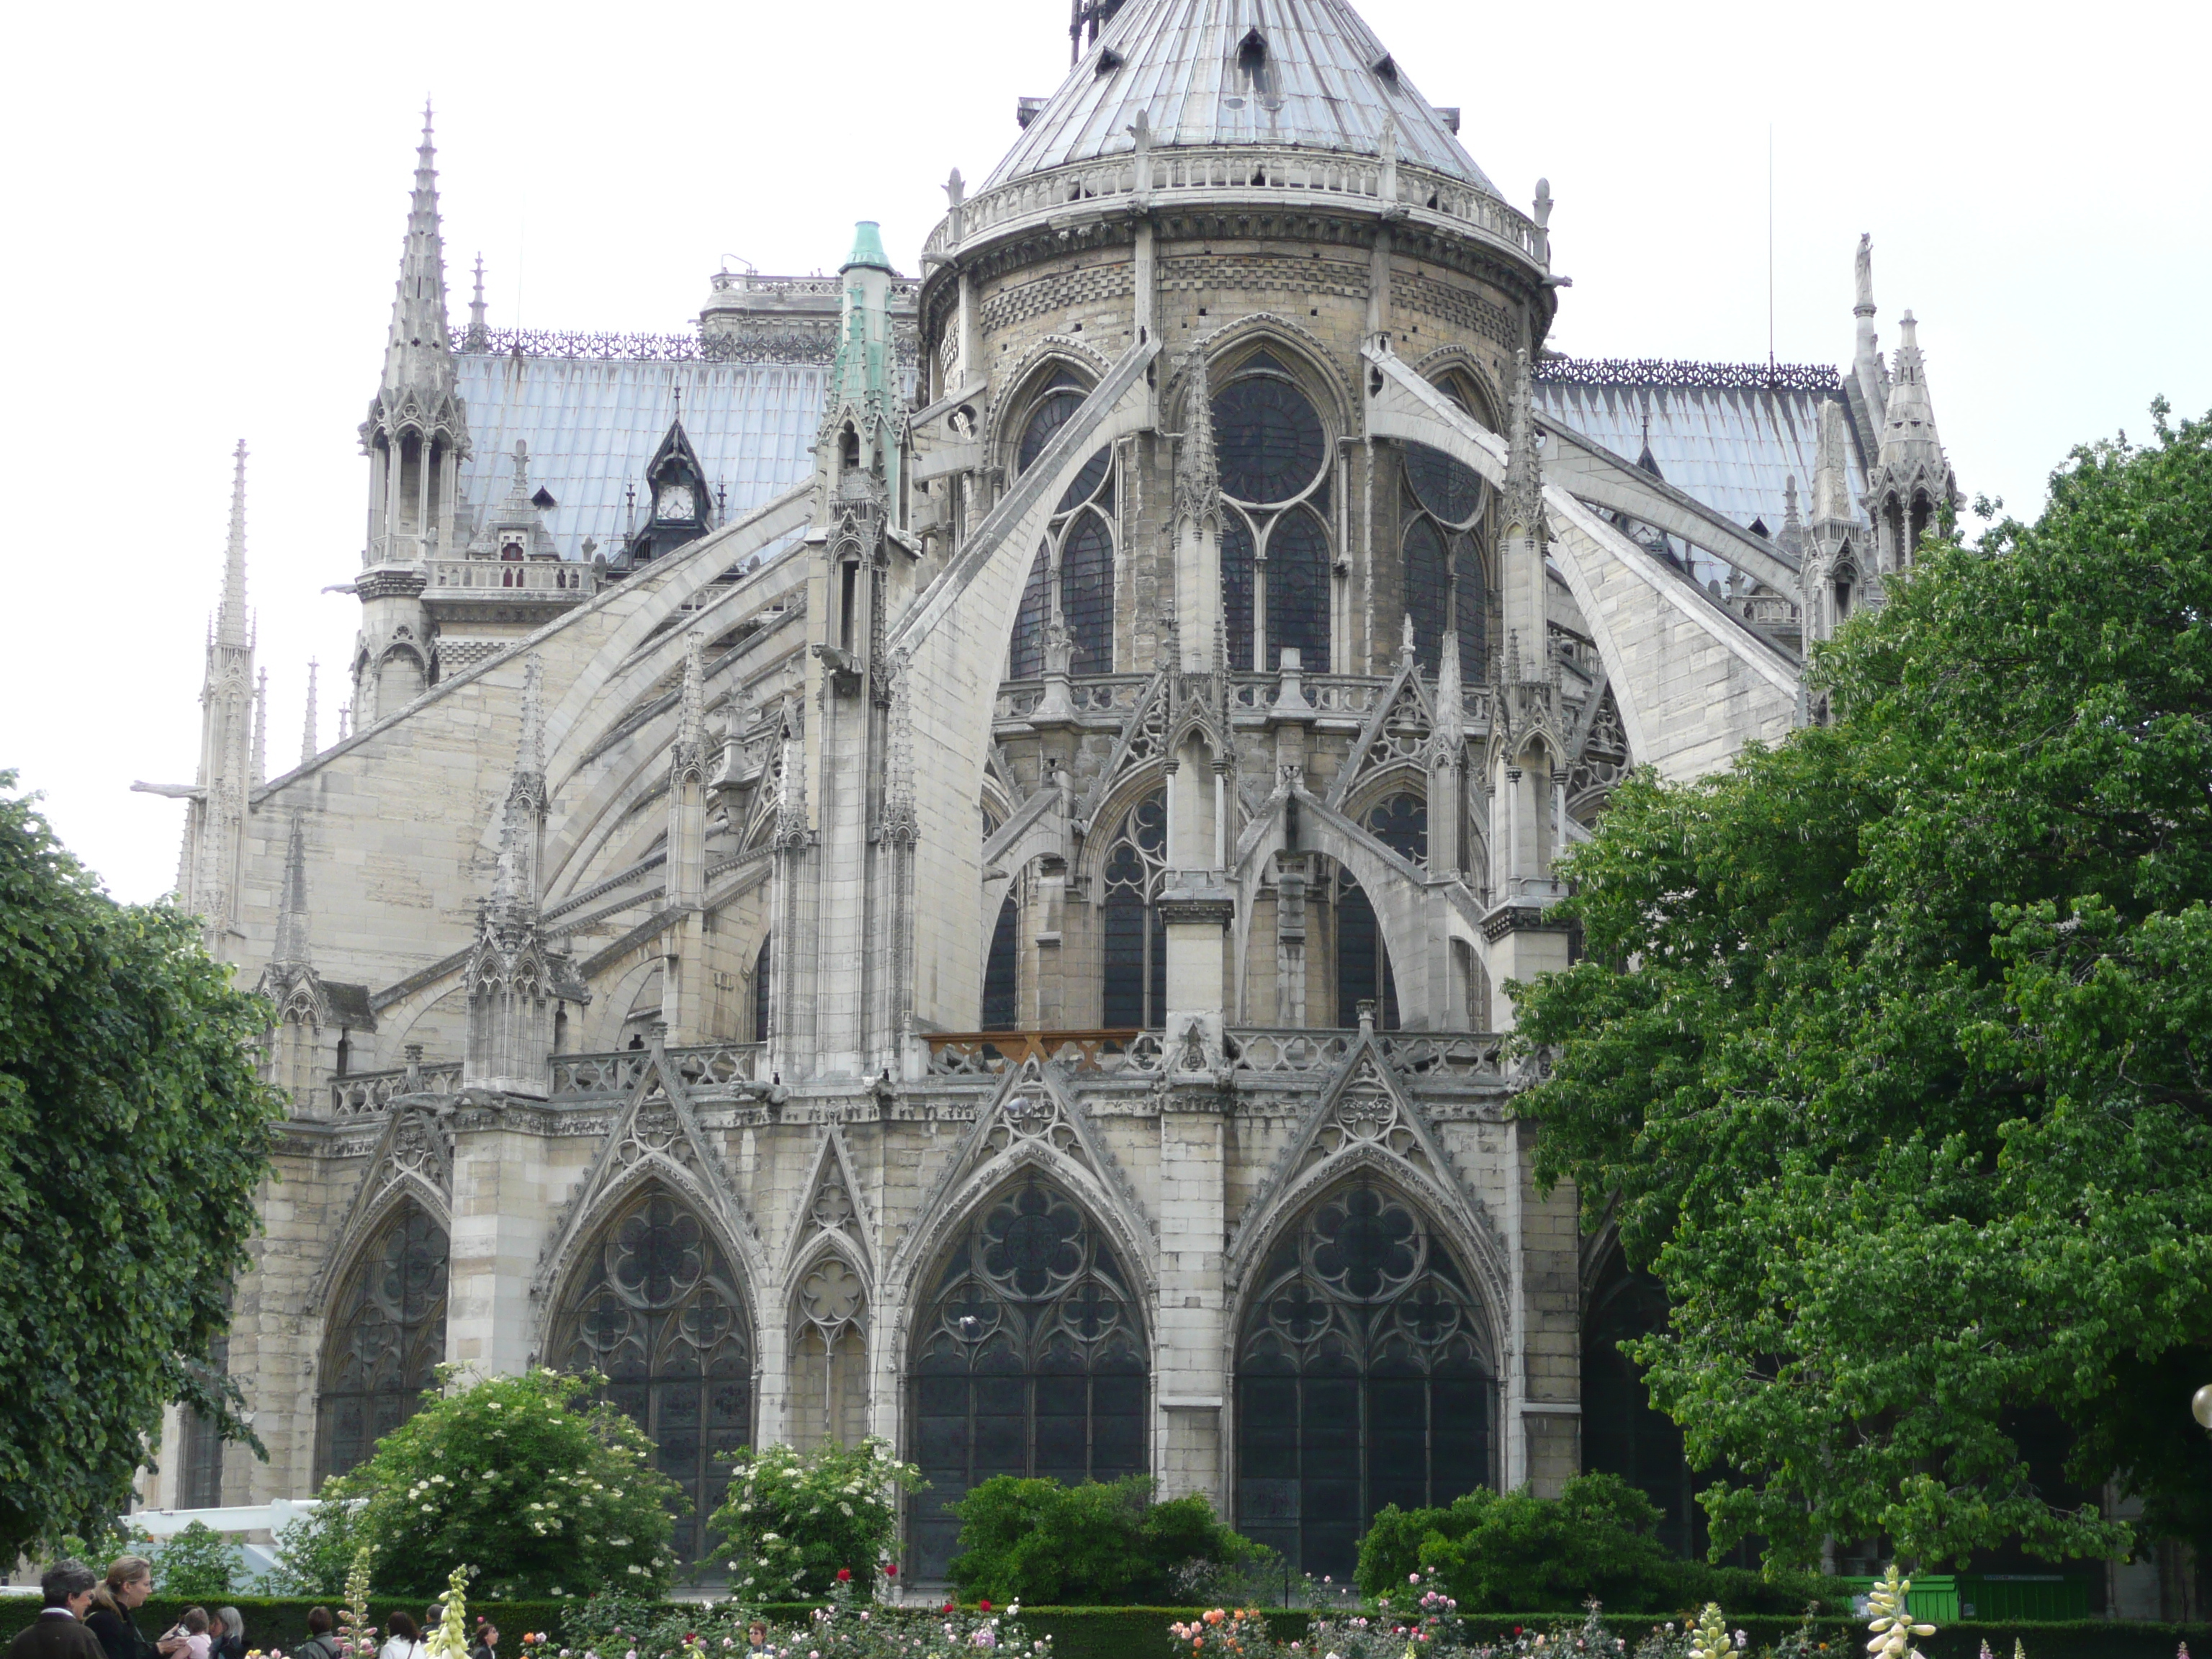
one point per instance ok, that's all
(194, 1627)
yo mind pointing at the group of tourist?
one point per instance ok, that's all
(87, 1616)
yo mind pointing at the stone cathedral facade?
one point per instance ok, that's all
(938, 857)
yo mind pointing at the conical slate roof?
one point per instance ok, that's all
(1318, 79)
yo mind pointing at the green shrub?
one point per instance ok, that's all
(1515, 1553)
(518, 1477)
(199, 1564)
(792, 1518)
(315, 1551)
(1098, 1543)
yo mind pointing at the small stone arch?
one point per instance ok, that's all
(1305, 350)
(1003, 420)
(1446, 362)
(829, 1315)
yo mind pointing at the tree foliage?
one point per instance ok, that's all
(1101, 1543)
(1892, 1050)
(133, 1134)
(199, 1563)
(793, 1519)
(1516, 1553)
(516, 1477)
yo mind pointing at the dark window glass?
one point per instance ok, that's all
(657, 1311)
(1237, 588)
(1134, 963)
(200, 1460)
(1029, 1360)
(387, 1338)
(1449, 488)
(1402, 824)
(1363, 961)
(1025, 659)
(1050, 414)
(1622, 1434)
(1297, 591)
(1001, 998)
(1086, 594)
(761, 988)
(1364, 1378)
(1474, 610)
(1427, 588)
(1087, 483)
(1268, 440)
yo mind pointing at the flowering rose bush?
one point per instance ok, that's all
(1226, 1633)
(523, 1479)
(794, 1520)
(850, 1627)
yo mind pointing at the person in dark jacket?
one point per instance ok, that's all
(228, 1635)
(487, 1645)
(130, 1581)
(320, 1644)
(58, 1631)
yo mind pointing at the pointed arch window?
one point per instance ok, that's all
(1365, 1376)
(1401, 822)
(656, 1308)
(1001, 980)
(385, 1339)
(1443, 508)
(762, 988)
(1276, 554)
(1134, 968)
(1029, 1360)
(1071, 577)
(830, 1352)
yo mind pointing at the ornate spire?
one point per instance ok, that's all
(1831, 478)
(308, 749)
(475, 338)
(417, 353)
(1451, 707)
(688, 757)
(514, 888)
(901, 823)
(1524, 476)
(261, 727)
(231, 628)
(1865, 358)
(291, 950)
(1198, 471)
(1908, 426)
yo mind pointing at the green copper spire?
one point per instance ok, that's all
(868, 248)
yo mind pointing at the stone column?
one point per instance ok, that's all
(1189, 1371)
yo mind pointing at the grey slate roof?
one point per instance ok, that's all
(592, 423)
(1731, 446)
(1323, 88)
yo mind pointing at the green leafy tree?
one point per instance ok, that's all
(519, 1477)
(1102, 1543)
(791, 1519)
(1892, 1050)
(1516, 1553)
(197, 1564)
(133, 1134)
(316, 1551)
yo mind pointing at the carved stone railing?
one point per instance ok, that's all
(363, 1094)
(1420, 1053)
(1446, 1054)
(1189, 178)
(986, 1053)
(558, 581)
(703, 1065)
(1286, 1049)
(1100, 694)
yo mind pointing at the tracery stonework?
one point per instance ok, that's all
(950, 873)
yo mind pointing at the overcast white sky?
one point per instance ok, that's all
(208, 202)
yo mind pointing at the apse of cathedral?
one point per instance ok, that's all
(939, 856)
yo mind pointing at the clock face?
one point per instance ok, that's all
(674, 501)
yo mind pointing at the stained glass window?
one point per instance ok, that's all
(1268, 440)
(1402, 824)
(1086, 593)
(1298, 590)
(1063, 396)
(386, 1338)
(1428, 587)
(1471, 602)
(1135, 954)
(657, 1311)
(829, 1350)
(1364, 1377)
(1025, 660)
(1363, 960)
(1237, 588)
(1001, 997)
(1449, 490)
(1029, 1361)
(1622, 1434)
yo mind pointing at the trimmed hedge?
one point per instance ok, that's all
(1141, 1633)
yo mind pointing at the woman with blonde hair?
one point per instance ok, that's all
(130, 1581)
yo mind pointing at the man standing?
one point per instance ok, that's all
(58, 1631)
